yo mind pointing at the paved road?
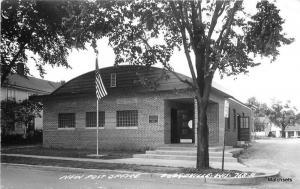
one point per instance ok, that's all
(24, 177)
(282, 154)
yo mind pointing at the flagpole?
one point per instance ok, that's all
(97, 126)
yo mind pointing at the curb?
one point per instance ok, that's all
(239, 181)
(53, 168)
(221, 181)
(210, 180)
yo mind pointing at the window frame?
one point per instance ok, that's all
(244, 122)
(292, 135)
(121, 119)
(101, 124)
(11, 94)
(60, 121)
(234, 119)
(113, 80)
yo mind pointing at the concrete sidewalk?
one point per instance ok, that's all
(154, 162)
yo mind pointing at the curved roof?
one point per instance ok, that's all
(139, 78)
(128, 77)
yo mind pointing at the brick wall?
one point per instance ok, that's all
(146, 135)
(213, 124)
(232, 133)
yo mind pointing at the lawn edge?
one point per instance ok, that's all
(222, 181)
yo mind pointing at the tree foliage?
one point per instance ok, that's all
(282, 115)
(298, 118)
(214, 35)
(260, 109)
(23, 112)
(43, 28)
(260, 113)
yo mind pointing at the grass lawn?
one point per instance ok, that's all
(39, 150)
(114, 166)
(74, 153)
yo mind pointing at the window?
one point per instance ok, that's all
(290, 133)
(11, 94)
(91, 119)
(113, 80)
(244, 121)
(66, 120)
(127, 118)
(234, 119)
(153, 118)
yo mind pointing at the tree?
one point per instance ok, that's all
(282, 115)
(42, 28)
(215, 36)
(298, 118)
(260, 109)
(7, 116)
(22, 112)
(26, 111)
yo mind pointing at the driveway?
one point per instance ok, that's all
(282, 154)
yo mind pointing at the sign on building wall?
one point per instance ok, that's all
(226, 109)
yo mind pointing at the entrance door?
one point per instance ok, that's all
(186, 126)
(182, 126)
(243, 129)
(175, 138)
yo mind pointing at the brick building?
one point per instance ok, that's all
(144, 108)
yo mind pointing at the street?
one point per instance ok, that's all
(282, 154)
(23, 177)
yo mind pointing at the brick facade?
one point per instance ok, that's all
(78, 96)
(145, 136)
(232, 133)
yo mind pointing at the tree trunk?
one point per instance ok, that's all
(283, 132)
(202, 96)
(202, 136)
(6, 69)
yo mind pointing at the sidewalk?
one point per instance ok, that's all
(153, 162)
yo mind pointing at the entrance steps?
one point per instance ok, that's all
(191, 148)
(188, 152)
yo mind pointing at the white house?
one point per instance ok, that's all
(292, 131)
(19, 87)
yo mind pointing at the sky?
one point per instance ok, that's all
(279, 80)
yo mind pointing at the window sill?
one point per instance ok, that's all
(88, 128)
(67, 128)
(126, 127)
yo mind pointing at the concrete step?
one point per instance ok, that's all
(187, 158)
(186, 153)
(192, 148)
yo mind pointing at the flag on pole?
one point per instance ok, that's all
(100, 88)
(100, 92)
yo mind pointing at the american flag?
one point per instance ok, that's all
(100, 88)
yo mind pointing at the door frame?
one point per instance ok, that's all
(175, 138)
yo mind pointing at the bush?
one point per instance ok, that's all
(34, 138)
(271, 134)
